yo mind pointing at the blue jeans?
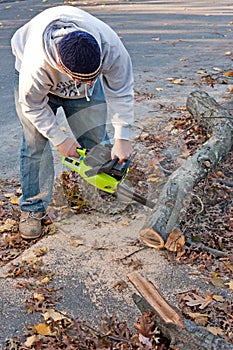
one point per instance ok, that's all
(87, 120)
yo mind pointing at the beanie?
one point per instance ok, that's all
(80, 55)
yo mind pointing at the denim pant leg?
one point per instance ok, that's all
(87, 119)
(36, 165)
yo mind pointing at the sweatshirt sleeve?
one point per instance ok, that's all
(119, 87)
(34, 86)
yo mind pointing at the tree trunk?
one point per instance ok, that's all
(167, 211)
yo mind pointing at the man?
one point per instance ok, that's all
(65, 57)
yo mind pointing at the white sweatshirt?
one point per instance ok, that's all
(34, 48)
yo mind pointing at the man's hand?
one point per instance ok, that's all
(122, 149)
(68, 147)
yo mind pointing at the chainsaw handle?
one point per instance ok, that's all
(81, 152)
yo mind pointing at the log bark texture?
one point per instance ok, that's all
(192, 337)
(167, 211)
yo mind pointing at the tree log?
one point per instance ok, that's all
(185, 334)
(167, 212)
(167, 314)
(192, 337)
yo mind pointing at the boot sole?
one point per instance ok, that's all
(29, 237)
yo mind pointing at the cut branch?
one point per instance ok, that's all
(167, 211)
(155, 300)
(189, 336)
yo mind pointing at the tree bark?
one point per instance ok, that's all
(167, 211)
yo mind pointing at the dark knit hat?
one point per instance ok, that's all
(80, 55)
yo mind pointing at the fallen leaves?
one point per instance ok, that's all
(146, 325)
(193, 299)
(31, 267)
(211, 311)
(8, 225)
(11, 244)
(59, 331)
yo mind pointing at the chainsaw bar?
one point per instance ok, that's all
(123, 190)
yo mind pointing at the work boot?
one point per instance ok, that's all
(30, 224)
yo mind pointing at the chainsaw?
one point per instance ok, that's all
(97, 168)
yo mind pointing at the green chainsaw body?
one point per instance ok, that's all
(97, 168)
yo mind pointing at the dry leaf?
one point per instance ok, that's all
(125, 223)
(230, 285)
(38, 296)
(56, 316)
(218, 298)
(15, 199)
(201, 72)
(8, 195)
(42, 329)
(40, 251)
(45, 280)
(145, 341)
(196, 300)
(199, 318)
(217, 282)
(31, 340)
(154, 179)
(120, 285)
(215, 330)
(177, 81)
(229, 74)
(74, 243)
(175, 241)
(230, 89)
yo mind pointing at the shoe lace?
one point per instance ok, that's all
(32, 215)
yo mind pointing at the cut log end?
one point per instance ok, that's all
(175, 241)
(151, 238)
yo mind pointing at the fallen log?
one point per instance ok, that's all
(155, 299)
(167, 212)
(182, 333)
